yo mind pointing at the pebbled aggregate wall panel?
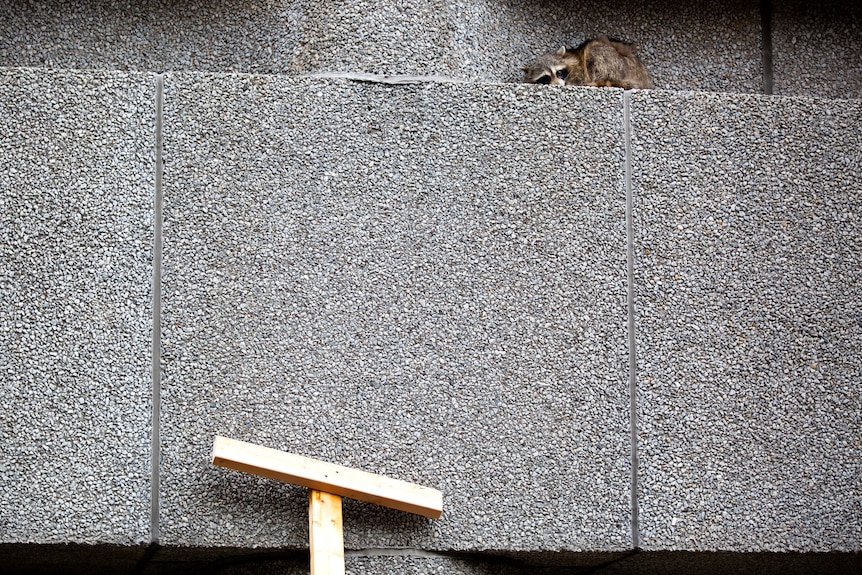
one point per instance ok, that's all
(748, 283)
(423, 281)
(817, 48)
(76, 232)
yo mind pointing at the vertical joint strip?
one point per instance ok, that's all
(630, 269)
(766, 30)
(157, 323)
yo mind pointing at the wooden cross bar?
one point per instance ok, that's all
(327, 484)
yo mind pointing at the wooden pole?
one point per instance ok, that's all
(325, 533)
(327, 484)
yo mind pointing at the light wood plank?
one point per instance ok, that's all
(327, 477)
(325, 533)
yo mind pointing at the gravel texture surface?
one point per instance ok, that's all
(424, 281)
(700, 45)
(817, 48)
(152, 35)
(428, 280)
(749, 299)
(76, 228)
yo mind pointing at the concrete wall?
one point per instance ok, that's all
(448, 283)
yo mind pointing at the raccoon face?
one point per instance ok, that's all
(551, 68)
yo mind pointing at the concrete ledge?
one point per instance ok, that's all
(644, 563)
(86, 560)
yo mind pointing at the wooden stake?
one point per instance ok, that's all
(325, 533)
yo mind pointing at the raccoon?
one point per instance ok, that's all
(597, 62)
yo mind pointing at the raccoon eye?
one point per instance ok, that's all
(544, 79)
(562, 73)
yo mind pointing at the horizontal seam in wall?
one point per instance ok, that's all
(387, 79)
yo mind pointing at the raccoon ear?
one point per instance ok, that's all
(561, 51)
